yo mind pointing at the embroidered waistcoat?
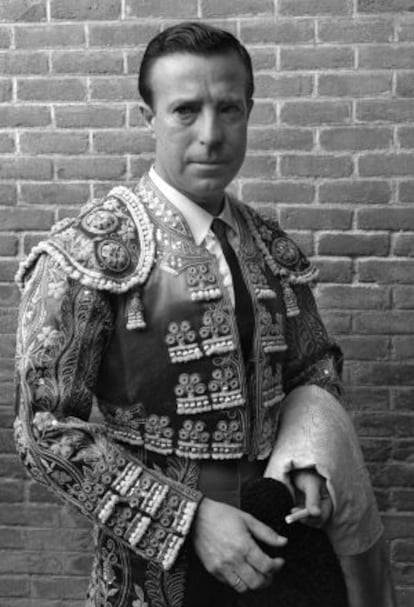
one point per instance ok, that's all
(172, 378)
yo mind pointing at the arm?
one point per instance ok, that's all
(63, 328)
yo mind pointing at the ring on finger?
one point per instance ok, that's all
(237, 581)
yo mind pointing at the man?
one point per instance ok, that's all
(189, 318)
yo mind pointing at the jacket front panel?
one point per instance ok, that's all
(179, 385)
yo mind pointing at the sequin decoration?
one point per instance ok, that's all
(261, 286)
(158, 434)
(272, 387)
(100, 222)
(216, 331)
(182, 344)
(271, 331)
(191, 393)
(224, 386)
(227, 438)
(114, 255)
(285, 251)
(193, 440)
(202, 282)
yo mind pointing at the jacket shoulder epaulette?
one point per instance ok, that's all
(109, 246)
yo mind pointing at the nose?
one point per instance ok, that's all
(210, 129)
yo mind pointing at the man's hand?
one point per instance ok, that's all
(224, 540)
(313, 504)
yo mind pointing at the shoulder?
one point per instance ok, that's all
(288, 259)
(108, 246)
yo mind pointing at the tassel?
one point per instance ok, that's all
(290, 300)
(135, 314)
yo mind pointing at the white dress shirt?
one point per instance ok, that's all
(199, 221)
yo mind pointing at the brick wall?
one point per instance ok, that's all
(331, 144)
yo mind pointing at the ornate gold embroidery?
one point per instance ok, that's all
(216, 331)
(182, 344)
(228, 438)
(271, 331)
(191, 393)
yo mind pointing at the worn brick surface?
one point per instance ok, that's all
(331, 154)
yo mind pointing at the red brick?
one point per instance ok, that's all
(304, 240)
(279, 31)
(26, 168)
(312, 165)
(218, 8)
(376, 450)
(280, 139)
(355, 192)
(258, 166)
(373, 165)
(316, 58)
(405, 84)
(31, 240)
(385, 6)
(403, 550)
(367, 398)
(403, 347)
(20, 116)
(5, 37)
(315, 218)
(404, 297)
(353, 297)
(12, 491)
(399, 110)
(263, 59)
(352, 31)
(90, 115)
(278, 191)
(41, 142)
(30, 516)
(356, 138)
(382, 424)
(112, 167)
(338, 270)
(56, 539)
(405, 597)
(9, 297)
(397, 525)
(283, 86)
(384, 56)
(18, 561)
(92, 62)
(337, 323)
(387, 270)
(85, 10)
(23, 62)
(406, 191)
(354, 245)
(114, 89)
(51, 89)
(398, 474)
(406, 136)
(405, 31)
(354, 85)
(6, 143)
(157, 8)
(403, 244)
(25, 219)
(139, 166)
(315, 7)
(403, 499)
(307, 113)
(6, 90)
(123, 142)
(23, 10)
(40, 494)
(14, 585)
(58, 587)
(8, 245)
(395, 218)
(133, 59)
(403, 399)
(55, 193)
(121, 34)
(49, 36)
(263, 113)
(383, 322)
(8, 269)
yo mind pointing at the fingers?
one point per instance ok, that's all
(263, 533)
(262, 563)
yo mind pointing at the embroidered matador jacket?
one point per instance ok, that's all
(121, 307)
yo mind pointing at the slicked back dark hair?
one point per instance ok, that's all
(195, 38)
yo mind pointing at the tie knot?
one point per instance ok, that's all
(218, 227)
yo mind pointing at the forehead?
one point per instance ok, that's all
(185, 74)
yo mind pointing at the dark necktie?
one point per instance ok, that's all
(243, 307)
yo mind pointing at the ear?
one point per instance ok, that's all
(250, 105)
(147, 114)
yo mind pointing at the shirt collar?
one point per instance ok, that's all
(198, 219)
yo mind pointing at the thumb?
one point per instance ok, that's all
(311, 490)
(263, 533)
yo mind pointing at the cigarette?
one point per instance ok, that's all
(298, 515)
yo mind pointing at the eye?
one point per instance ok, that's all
(185, 111)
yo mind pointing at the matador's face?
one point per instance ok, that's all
(199, 118)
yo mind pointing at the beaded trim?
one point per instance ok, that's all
(94, 278)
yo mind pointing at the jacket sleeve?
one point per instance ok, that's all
(63, 329)
(312, 357)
